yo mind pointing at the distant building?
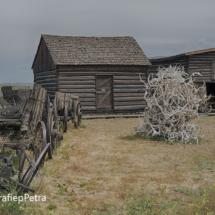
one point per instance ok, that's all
(102, 71)
(202, 61)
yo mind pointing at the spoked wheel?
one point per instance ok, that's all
(25, 164)
(33, 170)
(39, 140)
(55, 109)
(65, 120)
(50, 125)
(77, 114)
(59, 137)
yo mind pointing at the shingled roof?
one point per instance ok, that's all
(69, 50)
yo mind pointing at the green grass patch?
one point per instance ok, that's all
(65, 155)
(138, 136)
(10, 205)
(62, 189)
(138, 205)
(52, 206)
(199, 201)
(204, 162)
(83, 184)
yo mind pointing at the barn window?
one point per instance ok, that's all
(213, 70)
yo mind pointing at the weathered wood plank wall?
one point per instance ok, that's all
(48, 80)
(202, 63)
(128, 90)
(183, 61)
(43, 61)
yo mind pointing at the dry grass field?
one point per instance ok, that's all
(104, 168)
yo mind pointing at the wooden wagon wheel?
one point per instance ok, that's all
(39, 139)
(59, 134)
(55, 109)
(65, 119)
(25, 164)
(77, 114)
(56, 134)
(32, 172)
(50, 126)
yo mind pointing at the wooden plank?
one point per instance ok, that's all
(124, 99)
(12, 124)
(206, 70)
(200, 67)
(116, 77)
(135, 107)
(83, 103)
(130, 86)
(82, 82)
(127, 82)
(207, 79)
(76, 86)
(194, 70)
(88, 108)
(129, 103)
(78, 90)
(9, 120)
(128, 94)
(87, 99)
(129, 91)
(200, 62)
(12, 116)
(37, 112)
(73, 77)
(213, 70)
(82, 73)
(193, 57)
(50, 88)
(11, 109)
(47, 73)
(81, 95)
(40, 78)
(54, 80)
(48, 84)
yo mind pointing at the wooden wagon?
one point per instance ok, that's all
(39, 122)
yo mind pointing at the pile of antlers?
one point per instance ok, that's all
(172, 102)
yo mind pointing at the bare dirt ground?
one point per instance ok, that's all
(98, 166)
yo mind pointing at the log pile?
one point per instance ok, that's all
(172, 103)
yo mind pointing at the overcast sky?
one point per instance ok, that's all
(161, 27)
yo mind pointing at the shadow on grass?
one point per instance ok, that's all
(140, 137)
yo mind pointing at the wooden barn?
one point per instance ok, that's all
(102, 71)
(202, 61)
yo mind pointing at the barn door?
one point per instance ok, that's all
(104, 87)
